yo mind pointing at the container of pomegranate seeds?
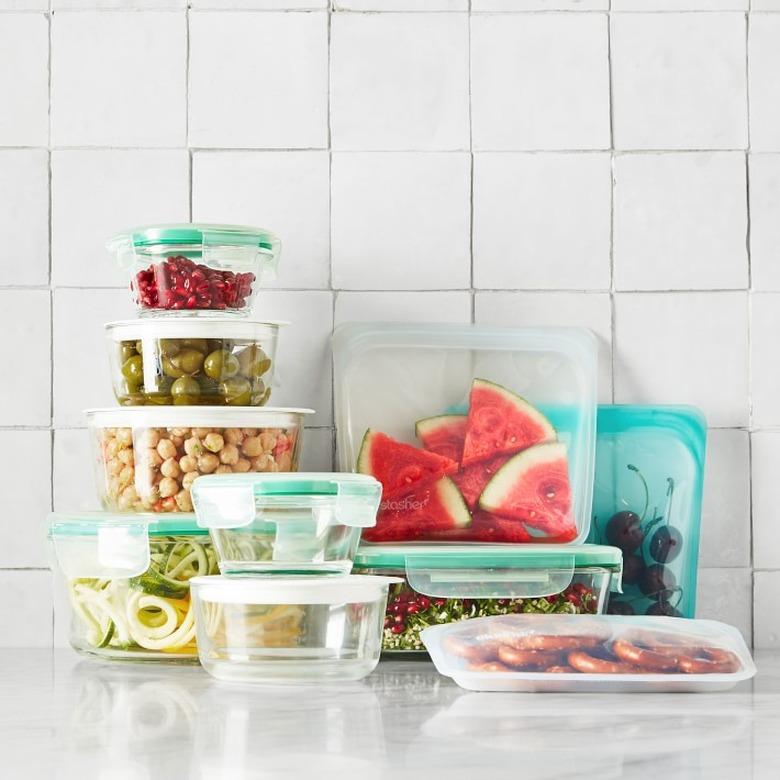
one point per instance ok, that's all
(186, 361)
(196, 268)
(445, 583)
(146, 457)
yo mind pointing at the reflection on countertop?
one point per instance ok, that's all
(67, 718)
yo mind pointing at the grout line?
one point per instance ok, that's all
(472, 291)
(612, 184)
(187, 95)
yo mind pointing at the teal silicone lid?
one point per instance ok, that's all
(193, 233)
(90, 523)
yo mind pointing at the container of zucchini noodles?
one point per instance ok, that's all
(127, 579)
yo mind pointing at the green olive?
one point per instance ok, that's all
(128, 350)
(261, 398)
(188, 361)
(139, 346)
(220, 364)
(133, 369)
(132, 399)
(155, 399)
(216, 344)
(185, 385)
(158, 384)
(253, 361)
(201, 345)
(170, 369)
(236, 391)
(169, 347)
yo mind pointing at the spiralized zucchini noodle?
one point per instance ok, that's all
(152, 612)
(254, 626)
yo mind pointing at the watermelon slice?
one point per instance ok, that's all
(443, 435)
(500, 421)
(420, 515)
(533, 487)
(400, 467)
(487, 527)
(472, 479)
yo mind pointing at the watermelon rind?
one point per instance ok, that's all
(443, 434)
(522, 407)
(504, 480)
(428, 425)
(452, 499)
(364, 454)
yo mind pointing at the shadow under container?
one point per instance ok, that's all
(444, 584)
(190, 362)
(277, 629)
(147, 458)
(128, 583)
(196, 269)
(286, 523)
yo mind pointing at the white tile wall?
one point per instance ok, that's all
(508, 161)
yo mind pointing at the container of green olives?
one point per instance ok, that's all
(190, 362)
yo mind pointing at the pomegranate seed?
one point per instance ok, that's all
(398, 628)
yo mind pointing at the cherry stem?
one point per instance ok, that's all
(636, 471)
(669, 498)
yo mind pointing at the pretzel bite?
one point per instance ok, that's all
(648, 660)
(709, 660)
(589, 664)
(471, 649)
(522, 658)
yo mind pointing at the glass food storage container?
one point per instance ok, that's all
(146, 458)
(128, 582)
(647, 501)
(279, 629)
(444, 584)
(290, 523)
(196, 268)
(477, 434)
(192, 362)
(600, 653)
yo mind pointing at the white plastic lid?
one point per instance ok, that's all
(194, 416)
(275, 589)
(190, 327)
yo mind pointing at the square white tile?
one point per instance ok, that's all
(765, 5)
(766, 616)
(258, 80)
(678, 81)
(25, 393)
(98, 192)
(540, 81)
(399, 81)
(261, 5)
(303, 367)
(103, 64)
(764, 64)
(727, 595)
(725, 522)
(539, 5)
(684, 348)
(74, 481)
(764, 364)
(62, 611)
(317, 454)
(680, 221)
(82, 379)
(24, 215)
(118, 5)
(555, 309)
(542, 221)
(26, 593)
(765, 486)
(286, 192)
(24, 80)
(24, 5)
(680, 5)
(400, 220)
(25, 462)
(401, 5)
(764, 224)
(454, 306)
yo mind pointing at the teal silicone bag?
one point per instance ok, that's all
(647, 501)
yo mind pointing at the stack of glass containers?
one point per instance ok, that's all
(484, 441)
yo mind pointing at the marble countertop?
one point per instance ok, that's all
(69, 718)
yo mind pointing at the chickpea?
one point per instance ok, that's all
(184, 501)
(112, 448)
(168, 487)
(233, 435)
(152, 458)
(127, 457)
(241, 466)
(192, 446)
(169, 504)
(113, 488)
(188, 463)
(262, 462)
(124, 436)
(201, 433)
(213, 442)
(207, 463)
(179, 432)
(153, 496)
(252, 446)
(284, 461)
(268, 440)
(224, 470)
(188, 479)
(170, 468)
(229, 455)
(177, 441)
(150, 438)
(166, 449)
(113, 467)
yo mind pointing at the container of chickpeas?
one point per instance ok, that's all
(146, 458)
(189, 362)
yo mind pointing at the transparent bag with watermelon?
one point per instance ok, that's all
(477, 434)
